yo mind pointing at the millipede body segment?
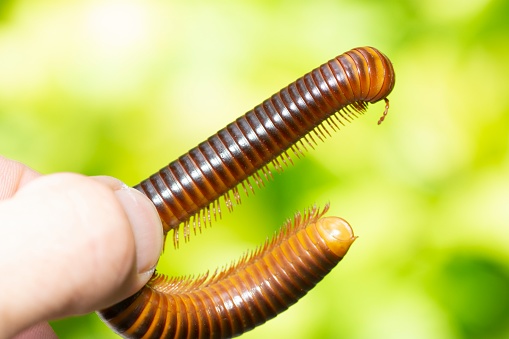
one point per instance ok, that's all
(247, 294)
(187, 192)
(191, 185)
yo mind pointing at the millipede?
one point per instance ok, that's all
(187, 193)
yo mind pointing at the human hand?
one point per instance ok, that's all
(69, 245)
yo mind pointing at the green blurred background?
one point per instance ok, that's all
(122, 87)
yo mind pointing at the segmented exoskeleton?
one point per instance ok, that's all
(187, 191)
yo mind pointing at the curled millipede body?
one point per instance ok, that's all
(235, 300)
(187, 192)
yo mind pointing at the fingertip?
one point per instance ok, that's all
(146, 227)
(99, 238)
(40, 331)
(14, 175)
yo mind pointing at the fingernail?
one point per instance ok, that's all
(146, 227)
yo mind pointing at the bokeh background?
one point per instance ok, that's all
(121, 87)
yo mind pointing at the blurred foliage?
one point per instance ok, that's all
(122, 87)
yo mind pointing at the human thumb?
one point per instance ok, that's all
(72, 244)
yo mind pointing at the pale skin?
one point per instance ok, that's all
(69, 245)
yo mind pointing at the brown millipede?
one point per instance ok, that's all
(190, 187)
